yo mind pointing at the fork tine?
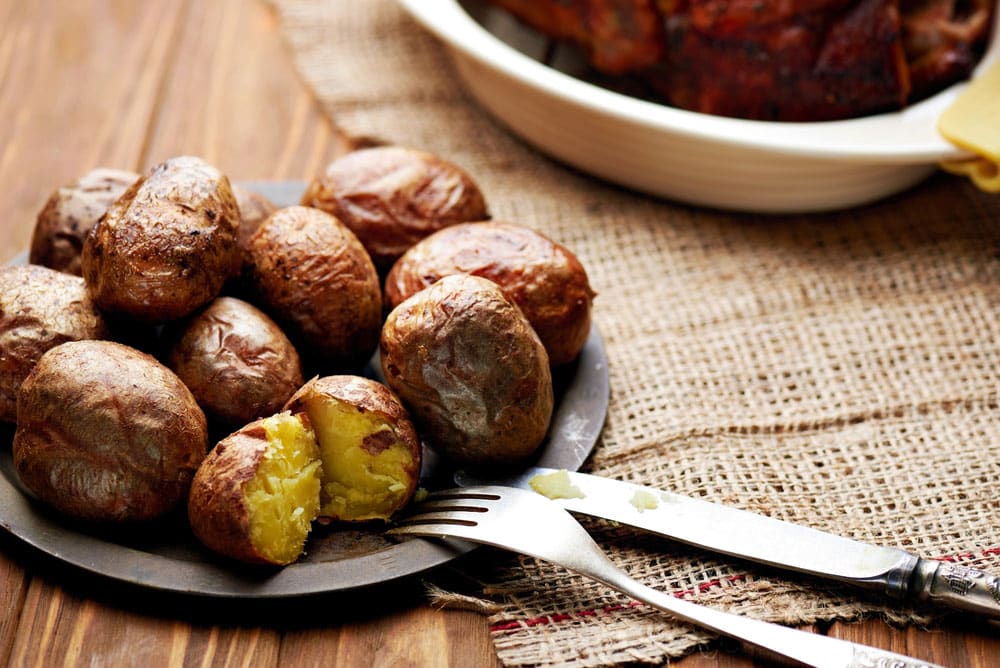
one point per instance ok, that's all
(462, 516)
(447, 504)
(426, 528)
(480, 493)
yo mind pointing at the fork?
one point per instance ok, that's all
(523, 521)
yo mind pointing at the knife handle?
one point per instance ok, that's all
(957, 586)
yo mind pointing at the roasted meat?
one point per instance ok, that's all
(787, 60)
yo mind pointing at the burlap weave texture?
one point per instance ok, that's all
(840, 370)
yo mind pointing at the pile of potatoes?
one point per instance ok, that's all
(164, 312)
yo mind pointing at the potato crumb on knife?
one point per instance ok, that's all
(555, 485)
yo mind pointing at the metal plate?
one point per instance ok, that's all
(164, 555)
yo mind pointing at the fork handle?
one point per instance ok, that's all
(807, 648)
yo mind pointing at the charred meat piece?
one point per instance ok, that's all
(618, 36)
(786, 60)
(784, 66)
(943, 40)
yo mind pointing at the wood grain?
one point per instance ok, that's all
(128, 84)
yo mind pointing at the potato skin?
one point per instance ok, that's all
(106, 433)
(367, 395)
(373, 397)
(310, 273)
(217, 509)
(69, 214)
(472, 371)
(542, 277)
(254, 209)
(392, 197)
(236, 361)
(40, 308)
(166, 246)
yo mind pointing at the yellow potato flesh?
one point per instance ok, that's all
(366, 466)
(283, 497)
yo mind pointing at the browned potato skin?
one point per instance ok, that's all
(235, 360)
(542, 277)
(106, 433)
(254, 210)
(40, 308)
(367, 395)
(69, 214)
(392, 197)
(312, 275)
(472, 371)
(167, 246)
(217, 509)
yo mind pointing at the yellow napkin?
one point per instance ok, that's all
(972, 122)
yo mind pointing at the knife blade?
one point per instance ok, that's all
(900, 575)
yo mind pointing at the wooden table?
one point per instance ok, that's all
(126, 84)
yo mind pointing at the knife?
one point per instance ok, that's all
(900, 575)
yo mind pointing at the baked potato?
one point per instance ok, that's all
(69, 213)
(40, 308)
(254, 209)
(257, 493)
(392, 197)
(235, 360)
(471, 370)
(310, 273)
(166, 246)
(542, 277)
(106, 433)
(370, 450)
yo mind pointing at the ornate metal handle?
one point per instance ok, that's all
(958, 587)
(868, 657)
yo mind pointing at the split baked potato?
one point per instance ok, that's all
(257, 493)
(343, 450)
(369, 446)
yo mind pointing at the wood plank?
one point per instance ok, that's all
(977, 645)
(13, 590)
(215, 80)
(78, 86)
(233, 97)
(468, 637)
(65, 628)
(392, 622)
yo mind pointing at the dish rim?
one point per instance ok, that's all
(828, 140)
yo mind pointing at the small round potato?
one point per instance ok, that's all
(70, 212)
(542, 277)
(167, 246)
(39, 309)
(257, 493)
(370, 450)
(392, 197)
(254, 210)
(236, 361)
(310, 273)
(472, 371)
(106, 433)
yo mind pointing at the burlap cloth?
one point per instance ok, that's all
(841, 371)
